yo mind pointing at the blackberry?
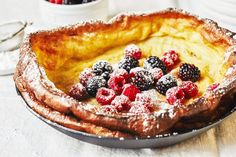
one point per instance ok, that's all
(70, 2)
(128, 63)
(106, 75)
(189, 72)
(155, 62)
(143, 80)
(102, 66)
(94, 84)
(164, 83)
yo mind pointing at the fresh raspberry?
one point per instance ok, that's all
(121, 103)
(138, 108)
(175, 95)
(130, 91)
(190, 89)
(120, 72)
(85, 75)
(146, 100)
(133, 51)
(156, 73)
(170, 58)
(58, 1)
(109, 109)
(105, 96)
(52, 1)
(172, 55)
(116, 83)
(169, 63)
(78, 91)
(213, 87)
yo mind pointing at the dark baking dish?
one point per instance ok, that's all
(179, 135)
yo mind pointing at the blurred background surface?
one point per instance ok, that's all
(223, 12)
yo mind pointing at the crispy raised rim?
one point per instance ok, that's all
(30, 78)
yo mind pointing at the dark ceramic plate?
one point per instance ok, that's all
(158, 141)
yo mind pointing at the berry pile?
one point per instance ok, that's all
(70, 2)
(123, 89)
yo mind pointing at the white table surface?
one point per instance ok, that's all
(23, 135)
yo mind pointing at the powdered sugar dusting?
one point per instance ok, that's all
(231, 70)
(229, 51)
(165, 108)
(115, 66)
(90, 107)
(132, 47)
(152, 93)
(137, 69)
(119, 72)
(156, 73)
(166, 79)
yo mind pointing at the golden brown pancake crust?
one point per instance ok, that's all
(31, 79)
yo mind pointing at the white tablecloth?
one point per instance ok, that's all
(23, 135)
